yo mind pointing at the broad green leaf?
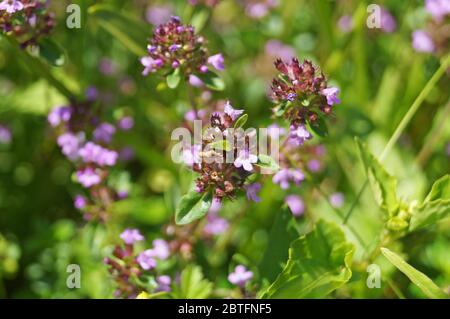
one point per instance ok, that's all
(440, 190)
(173, 79)
(425, 284)
(283, 232)
(267, 162)
(319, 127)
(131, 32)
(384, 186)
(319, 263)
(52, 52)
(192, 206)
(212, 81)
(222, 145)
(240, 122)
(192, 284)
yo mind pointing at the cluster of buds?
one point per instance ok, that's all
(435, 37)
(302, 97)
(177, 46)
(26, 20)
(85, 140)
(219, 175)
(135, 272)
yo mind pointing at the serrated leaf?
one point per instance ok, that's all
(319, 262)
(192, 284)
(425, 284)
(192, 206)
(173, 79)
(52, 52)
(240, 122)
(212, 81)
(384, 186)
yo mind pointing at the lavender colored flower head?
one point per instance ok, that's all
(216, 206)
(70, 144)
(195, 81)
(388, 23)
(104, 132)
(160, 249)
(438, 8)
(331, 94)
(240, 276)
(252, 192)
(5, 135)
(284, 176)
(91, 93)
(231, 112)
(146, 260)
(126, 123)
(163, 282)
(245, 160)
(131, 235)
(295, 204)
(298, 135)
(215, 225)
(88, 177)
(217, 61)
(157, 15)
(314, 165)
(337, 200)
(11, 6)
(422, 41)
(191, 155)
(59, 115)
(345, 23)
(79, 202)
(93, 153)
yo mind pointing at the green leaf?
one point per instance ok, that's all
(199, 19)
(193, 205)
(319, 263)
(131, 32)
(384, 186)
(425, 284)
(267, 162)
(192, 284)
(212, 81)
(52, 52)
(240, 122)
(283, 232)
(440, 190)
(173, 79)
(222, 145)
(319, 127)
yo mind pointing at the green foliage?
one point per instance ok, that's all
(319, 263)
(193, 206)
(192, 284)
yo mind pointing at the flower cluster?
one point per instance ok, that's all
(302, 96)
(84, 140)
(434, 38)
(26, 20)
(258, 9)
(134, 272)
(240, 276)
(177, 46)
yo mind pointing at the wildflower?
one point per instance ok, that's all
(80, 202)
(59, 115)
(126, 123)
(438, 8)
(298, 135)
(130, 236)
(240, 276)
(93, 153)
(215, 225)
(314, 165)
(245, 160)
(284, 176)
(337, 200)
(422, 41)
(231, 112)
(88, 177)
(11, 6)
(157, 15)
(388, 23)
(295, 204)
(252, 192)
(331, 95)
(216, 205)
(345, 23)
(104, 132)
(146, 260)
(195, 81)
(163, 282)
(160, 249)
(217, 61)
(191, 155)
(274, 131)
(5, 135)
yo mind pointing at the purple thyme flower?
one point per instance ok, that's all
(150, 65)
(285, 175)
(157, 15)
(195, 81)
(296, 204)
(163, 282)
(146, 260)
(88, 177)
(245, 159)
(70, 144)
(422, 41)
(191, 155)
(276, 48)
(298, 135)
(131, 235)
(438, 8)
(104, 132)
(314, 165)
(91, 93)
(126, 123)
(388, 23)
(216, 206)
(160, 249)
(5, 135)
(79, 202)
(331, 95)
(107, 66)
(231, 112)
(217, 61)
(58, 115)
(240, 276)
(345, 23)
(252, 192)
(11, 6)
(336, 200)
(215, 225)
(93, 153)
